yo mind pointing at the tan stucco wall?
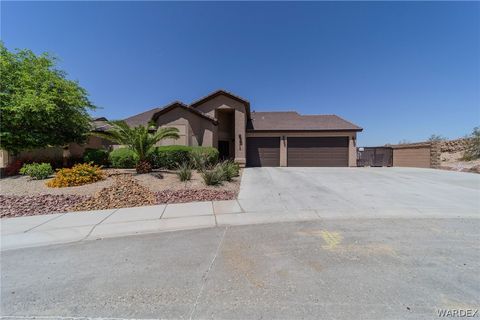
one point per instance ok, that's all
(211, 107)
(194, 130)
(352, 137)
(412, 157)
(74, 150)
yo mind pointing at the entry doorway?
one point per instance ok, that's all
(224, 149)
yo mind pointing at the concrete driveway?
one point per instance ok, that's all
(356, 192)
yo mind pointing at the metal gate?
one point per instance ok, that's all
(375, 157)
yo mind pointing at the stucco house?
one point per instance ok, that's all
(225, 121)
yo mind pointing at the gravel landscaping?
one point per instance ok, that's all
(17, 206)
(21, 196)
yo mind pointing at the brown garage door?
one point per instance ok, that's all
(317, 152)
(263, 152)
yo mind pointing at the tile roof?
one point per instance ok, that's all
(141, 118)
(100, 124)
(292, 121)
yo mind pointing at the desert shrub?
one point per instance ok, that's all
(170, 157)
(473, 148)
(230, 169)
(184, 172)
(78, 175)
(214, 177)
(37, 171)
(199, 161)
(204, 157)
(97, 156)
(123, 158)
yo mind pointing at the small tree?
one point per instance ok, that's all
(473, 149)
(140, 139)
(39, 106)
(436, 138)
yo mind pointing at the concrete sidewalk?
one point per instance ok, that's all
(68, 227)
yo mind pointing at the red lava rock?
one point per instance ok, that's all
(190, 195)
(17, 206)
(125, 192)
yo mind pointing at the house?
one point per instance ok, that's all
(225, 121)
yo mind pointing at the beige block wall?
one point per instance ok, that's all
(352, 137)
(419, 155)
(211, 107)
(77, 150)
(194, 130)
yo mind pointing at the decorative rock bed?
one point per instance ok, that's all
(17, 206)
(190, 195)
(124, 192)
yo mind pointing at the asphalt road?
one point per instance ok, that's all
(327, 269)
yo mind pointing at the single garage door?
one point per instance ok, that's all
(263, 152)
(317, 151)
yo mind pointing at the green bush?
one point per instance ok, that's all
(230, 169)
(473, 149)
(199, 161)
(37, 171)
(184, 172)
(213, 177)
(204, 157)
(123, 158)
(97, 156)
(170, 157)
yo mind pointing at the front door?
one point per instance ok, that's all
(224, 150)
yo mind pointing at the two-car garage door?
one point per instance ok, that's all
(301, 151)
(317, 152)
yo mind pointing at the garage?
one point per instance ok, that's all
(317, 151)
(263, 151)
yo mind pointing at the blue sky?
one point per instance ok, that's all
(399, 70)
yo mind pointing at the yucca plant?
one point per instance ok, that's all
(140, 139)
(230, 169)
(184, 172)
(213, 177)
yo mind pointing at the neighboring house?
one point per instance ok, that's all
(224, 120)
(60, 155)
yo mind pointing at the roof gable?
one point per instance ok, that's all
(178, 104)
(222, 92)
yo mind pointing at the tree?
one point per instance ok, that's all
(436, 138)
(140, 139)
(39, 106)
(472, 151)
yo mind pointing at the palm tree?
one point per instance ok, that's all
(140, 139)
